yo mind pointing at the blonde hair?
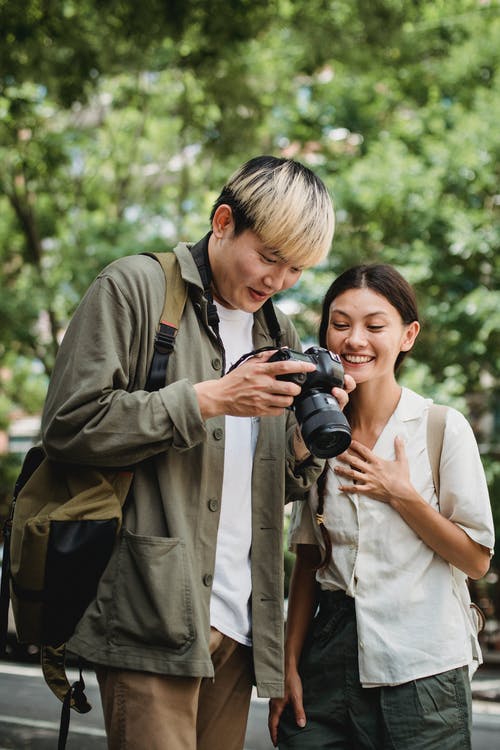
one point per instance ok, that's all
(285, 204)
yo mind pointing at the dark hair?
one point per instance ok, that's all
(382, 279)
(327, 553)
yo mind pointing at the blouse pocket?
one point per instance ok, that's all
(151, 593)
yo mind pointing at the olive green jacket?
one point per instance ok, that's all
(151, 612)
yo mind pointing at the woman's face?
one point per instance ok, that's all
(368, 333)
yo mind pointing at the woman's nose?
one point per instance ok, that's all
(356, 337)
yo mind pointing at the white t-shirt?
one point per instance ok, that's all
(411, 616)
(232, 585)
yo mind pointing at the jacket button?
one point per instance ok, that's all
(213, 504)
(216, 363)
(218, 433)
(207, 579)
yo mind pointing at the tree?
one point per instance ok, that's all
(116, 131)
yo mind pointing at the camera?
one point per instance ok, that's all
(324, 428)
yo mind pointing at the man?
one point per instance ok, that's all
(188, 613)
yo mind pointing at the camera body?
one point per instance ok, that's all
(328, 374)
(324, 428)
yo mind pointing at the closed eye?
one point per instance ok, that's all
(273, 260)
(268, 259)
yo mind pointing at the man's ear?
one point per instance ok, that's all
(410, 335)
(222, 221)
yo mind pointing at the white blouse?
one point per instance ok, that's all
(412, 607)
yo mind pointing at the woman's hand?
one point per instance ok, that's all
(373, 476)
(293, 695)
(389, 482)
(341, 394)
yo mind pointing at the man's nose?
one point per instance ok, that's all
(276, 277)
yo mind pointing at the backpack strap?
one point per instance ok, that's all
(175, 301)
(436, 422)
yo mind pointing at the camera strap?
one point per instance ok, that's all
(199, 251)
(249, 355)
(272, 322)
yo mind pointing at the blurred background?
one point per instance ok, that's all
(120, 121)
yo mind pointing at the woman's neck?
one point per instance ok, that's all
(371, 407)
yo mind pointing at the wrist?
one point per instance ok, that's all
(208, 402)
(291, 664)
(407, 496)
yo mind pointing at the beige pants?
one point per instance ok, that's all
(158, 712)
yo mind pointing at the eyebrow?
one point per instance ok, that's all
(369, 315)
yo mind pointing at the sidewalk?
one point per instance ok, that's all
(486, 690)
(486, 681)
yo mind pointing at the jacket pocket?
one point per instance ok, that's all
(152, 603)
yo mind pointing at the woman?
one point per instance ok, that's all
(385, 662)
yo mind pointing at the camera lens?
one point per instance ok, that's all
(324, 428)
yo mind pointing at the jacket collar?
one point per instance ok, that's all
(189, 269)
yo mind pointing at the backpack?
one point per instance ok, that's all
(61, 531)
(436, 423)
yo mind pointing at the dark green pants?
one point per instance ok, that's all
(433, 713)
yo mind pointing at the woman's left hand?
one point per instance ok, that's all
(342, 394)
(373, 476)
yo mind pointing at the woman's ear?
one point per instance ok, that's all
(410, 334)
(222, 220)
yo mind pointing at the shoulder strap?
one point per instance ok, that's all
(436, 421)
(175, 301)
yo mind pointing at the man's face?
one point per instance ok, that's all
(245, 272)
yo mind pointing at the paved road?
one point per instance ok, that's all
(29, 714)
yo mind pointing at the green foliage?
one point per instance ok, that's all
(118, 128)
(67, 46)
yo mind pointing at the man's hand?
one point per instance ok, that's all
(293, 695)
(252, 389)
